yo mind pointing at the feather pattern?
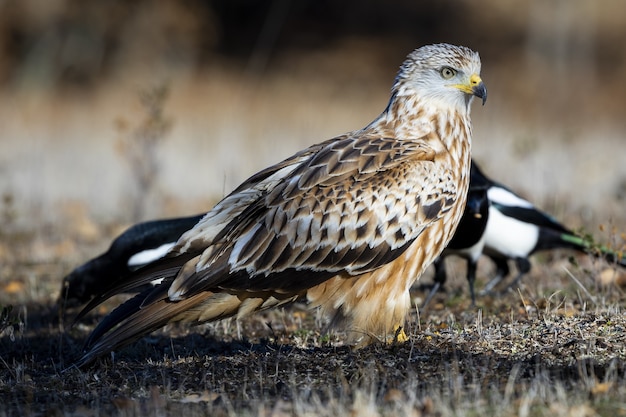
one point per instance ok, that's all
(349, 223)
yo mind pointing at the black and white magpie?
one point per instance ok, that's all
(139, 245)
(514, 229)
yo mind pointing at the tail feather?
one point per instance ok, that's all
(130, 321)
(588, 246)
(136, 318)
(162, 269)
(600, 251)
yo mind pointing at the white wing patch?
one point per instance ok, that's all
(509, 236)
(506, 198)
(149, 255)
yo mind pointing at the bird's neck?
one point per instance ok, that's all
(449, 127)
(411, 118)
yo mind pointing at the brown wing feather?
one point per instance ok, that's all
(210, 229)
(334, 212)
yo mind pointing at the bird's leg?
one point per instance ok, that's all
(523, 267)
(502, 270)
(399, 335)
(436, 286)
(438, 281)
(471, 278)
(441, 274)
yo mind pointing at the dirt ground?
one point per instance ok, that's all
(554, 346)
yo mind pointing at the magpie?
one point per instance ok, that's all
(138, 246)
(514, 229)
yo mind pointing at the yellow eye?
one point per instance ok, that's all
(447, 72)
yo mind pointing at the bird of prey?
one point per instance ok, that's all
(513, 229)
(136, 247)
(348, 224)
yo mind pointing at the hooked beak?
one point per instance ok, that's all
(478, 87)
(475, 87)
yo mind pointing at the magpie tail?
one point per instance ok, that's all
(549, 239)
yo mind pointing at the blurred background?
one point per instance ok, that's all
(120, 111)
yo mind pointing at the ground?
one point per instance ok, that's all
(554, 346)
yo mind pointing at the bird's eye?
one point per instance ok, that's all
(447, 72)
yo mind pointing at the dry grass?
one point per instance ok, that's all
(554, 347)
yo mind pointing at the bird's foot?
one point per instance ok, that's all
(399, 336)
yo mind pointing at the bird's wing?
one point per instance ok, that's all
(229, 208)
(512, 205)
(196, 240)
(351, 206)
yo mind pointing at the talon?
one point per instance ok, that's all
(399, 335)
